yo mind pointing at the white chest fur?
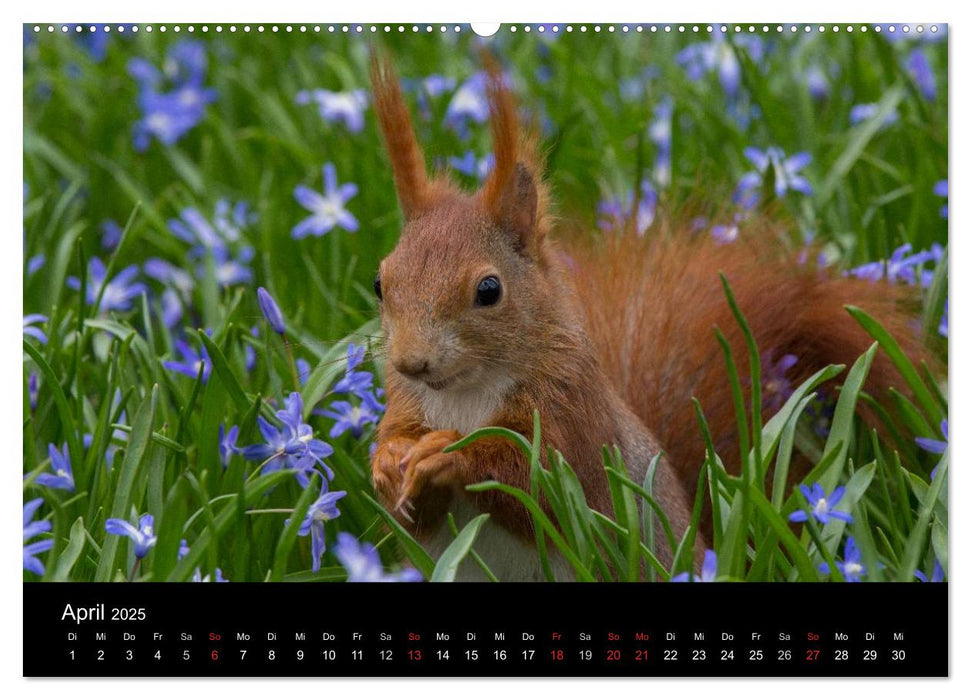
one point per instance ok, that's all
(463, 410)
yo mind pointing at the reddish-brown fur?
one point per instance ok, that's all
(609, 340)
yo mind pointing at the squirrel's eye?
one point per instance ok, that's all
(488, 291)
(377, 287)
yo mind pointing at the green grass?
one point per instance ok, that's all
(102, 374)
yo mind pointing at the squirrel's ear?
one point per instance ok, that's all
(515, 208)
(407, 161)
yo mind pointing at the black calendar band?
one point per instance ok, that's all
(337, 630)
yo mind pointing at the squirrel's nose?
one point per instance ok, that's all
(414, 367)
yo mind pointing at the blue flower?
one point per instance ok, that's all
(469, 165)
(118, 292)
(785, 171)
(32, 390)
(35, 263)
(717, 55)
(32, 528)
(936, 447)
(291, 447)
(937, 575)
(818, 82)
(63, 475)
(920, 70)
(327, 209)
(821, 507)
(851, 567)
(354, 418)
(110, 234)
(143, 536)
(271, 312)
(942, 326)
(191, 362)
(29, 321)
(227, 443)
(167, 116)
(864, 112)
(303, 370)
(659, 132)
(617, 212)
(363, 565)
(320, 511)
(338, 107)
(354, 382)
(183, 550)
(901, 266)
(197, 576)
(469, 103)
(940, 189)
(709, 570)
(775, 385)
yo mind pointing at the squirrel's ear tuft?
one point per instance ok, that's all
(407, 161)
(516, 208)
(510, 193)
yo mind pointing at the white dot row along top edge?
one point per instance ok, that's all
(490, 30)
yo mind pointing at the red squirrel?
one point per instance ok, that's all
(487, 316)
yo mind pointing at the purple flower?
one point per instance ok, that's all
(345, 108)
(818, 82)
(197, 576)
(32, 390)
(110, 234)
(940, 189)
(191, 362)
(468, 103)
(320, 511)
(901, 266)
(471, 166)
(920, 70)
(659, 132)
(183, 549)
(354, 418)
(303, 370)
(617, 211)
(775, 385)
(32, 528)
(717, 55)
(864, 112)
(327, 209)
(143, 537)
(292, 446)
(937, 575)
(35, 263)
(821, 507)
(363, 565)
(851, 567)
(227, 444)
(271, 312)
(709, 570)
(167, 116)
(62, 476)
(118, 292)
(936, 447)
(820, 413)
(942, 326)
(354, 382)
(785, 171)
(37, 333)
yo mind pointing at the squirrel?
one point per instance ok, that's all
(488, 317)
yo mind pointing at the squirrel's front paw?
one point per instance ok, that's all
(426, 465)
(387, 473)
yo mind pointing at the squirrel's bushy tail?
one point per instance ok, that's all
(652, 303)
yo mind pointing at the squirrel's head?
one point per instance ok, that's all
(467, 287)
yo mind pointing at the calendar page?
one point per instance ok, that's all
(633, 337)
